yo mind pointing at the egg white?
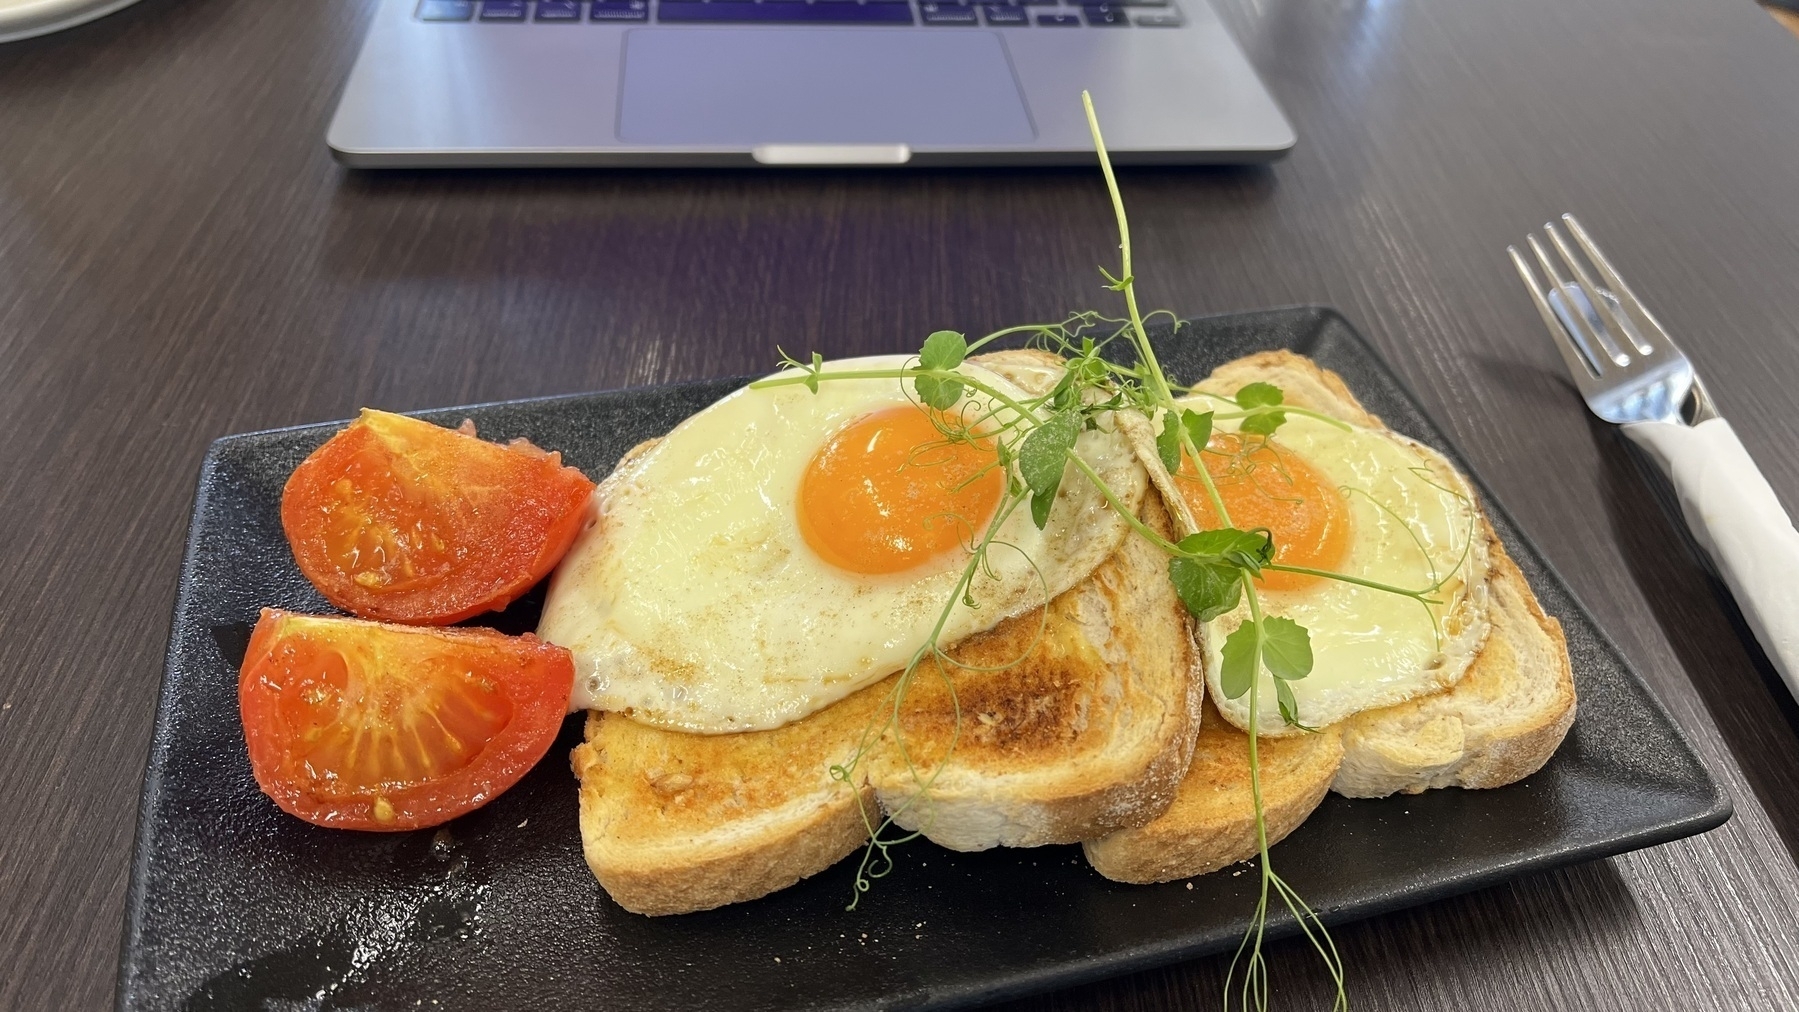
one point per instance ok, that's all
(694, 602)
(1413, 522)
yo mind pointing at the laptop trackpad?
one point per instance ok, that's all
(753, 86)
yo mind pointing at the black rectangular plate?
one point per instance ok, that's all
(235, 905)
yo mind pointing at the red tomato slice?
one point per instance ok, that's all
(404, 521)
(358, 725)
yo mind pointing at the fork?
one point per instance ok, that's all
(1631, 374)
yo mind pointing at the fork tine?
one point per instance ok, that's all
(1650, 329)
(1575, 322)
(1575, 358)
(1615, 328)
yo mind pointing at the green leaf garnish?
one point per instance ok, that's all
(1207, 589)
(1265, 396)
(1283, 695)
(1040, 506)
(1042, 457)
(937, 392)
(1044, 454)
(1259, 395)
(945, 349)
(1065, 395)
(1168, 444)
(1263, 423)
(1250, 550)
(1199, 427)
(1239, 667)
(1286, 648)
(942, 351)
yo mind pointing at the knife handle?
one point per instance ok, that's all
(1735, 516)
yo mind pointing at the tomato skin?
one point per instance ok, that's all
(400, 520)
(358, 725)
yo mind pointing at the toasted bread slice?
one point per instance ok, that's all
(1074, 720)
(1496, 726)
(1086, 725)
(672, 822)
(1212, 823)
(1506, 716)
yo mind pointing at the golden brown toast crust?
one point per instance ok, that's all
(1082, 723)
(1211, 823)
(653, 803)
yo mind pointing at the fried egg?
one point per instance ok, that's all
(1367, 504)
(783, 548)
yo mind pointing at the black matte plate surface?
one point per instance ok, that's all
(235, 905)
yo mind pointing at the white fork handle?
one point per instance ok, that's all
(1736, 517)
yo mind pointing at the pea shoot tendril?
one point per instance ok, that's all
(1213, 571)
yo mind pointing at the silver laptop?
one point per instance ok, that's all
(800, 82)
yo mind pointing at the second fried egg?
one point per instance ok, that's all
(1369, 505)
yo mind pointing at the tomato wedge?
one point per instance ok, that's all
(404, 521)
(358, 725)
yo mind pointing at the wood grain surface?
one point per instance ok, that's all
(180, 259)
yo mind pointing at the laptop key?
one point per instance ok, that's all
(1103, 14)
(998, 14)
(621, 10)
(558, 10)
(947, 13)
(504, 10)
(783, 12)
(446, 10)
(1159, 19)
(1058, 20)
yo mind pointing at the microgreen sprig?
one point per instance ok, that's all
(1213, 571)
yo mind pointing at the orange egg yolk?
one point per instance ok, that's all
(1265, 485)
(889, 492)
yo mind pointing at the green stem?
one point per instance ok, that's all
(1128, 284)
(1287, 408)
(1191, 453)
(930, 649)
(1346, 578)
(841, 374)
(1118, 506)
(1124, 245)
(1255, 730)
(1335, 423)
(1029, 328)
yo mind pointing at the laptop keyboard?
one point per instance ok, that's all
(996, 13)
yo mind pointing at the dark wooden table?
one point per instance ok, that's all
(180, 259)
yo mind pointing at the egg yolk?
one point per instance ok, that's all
(1265, 485)
(889, 492)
